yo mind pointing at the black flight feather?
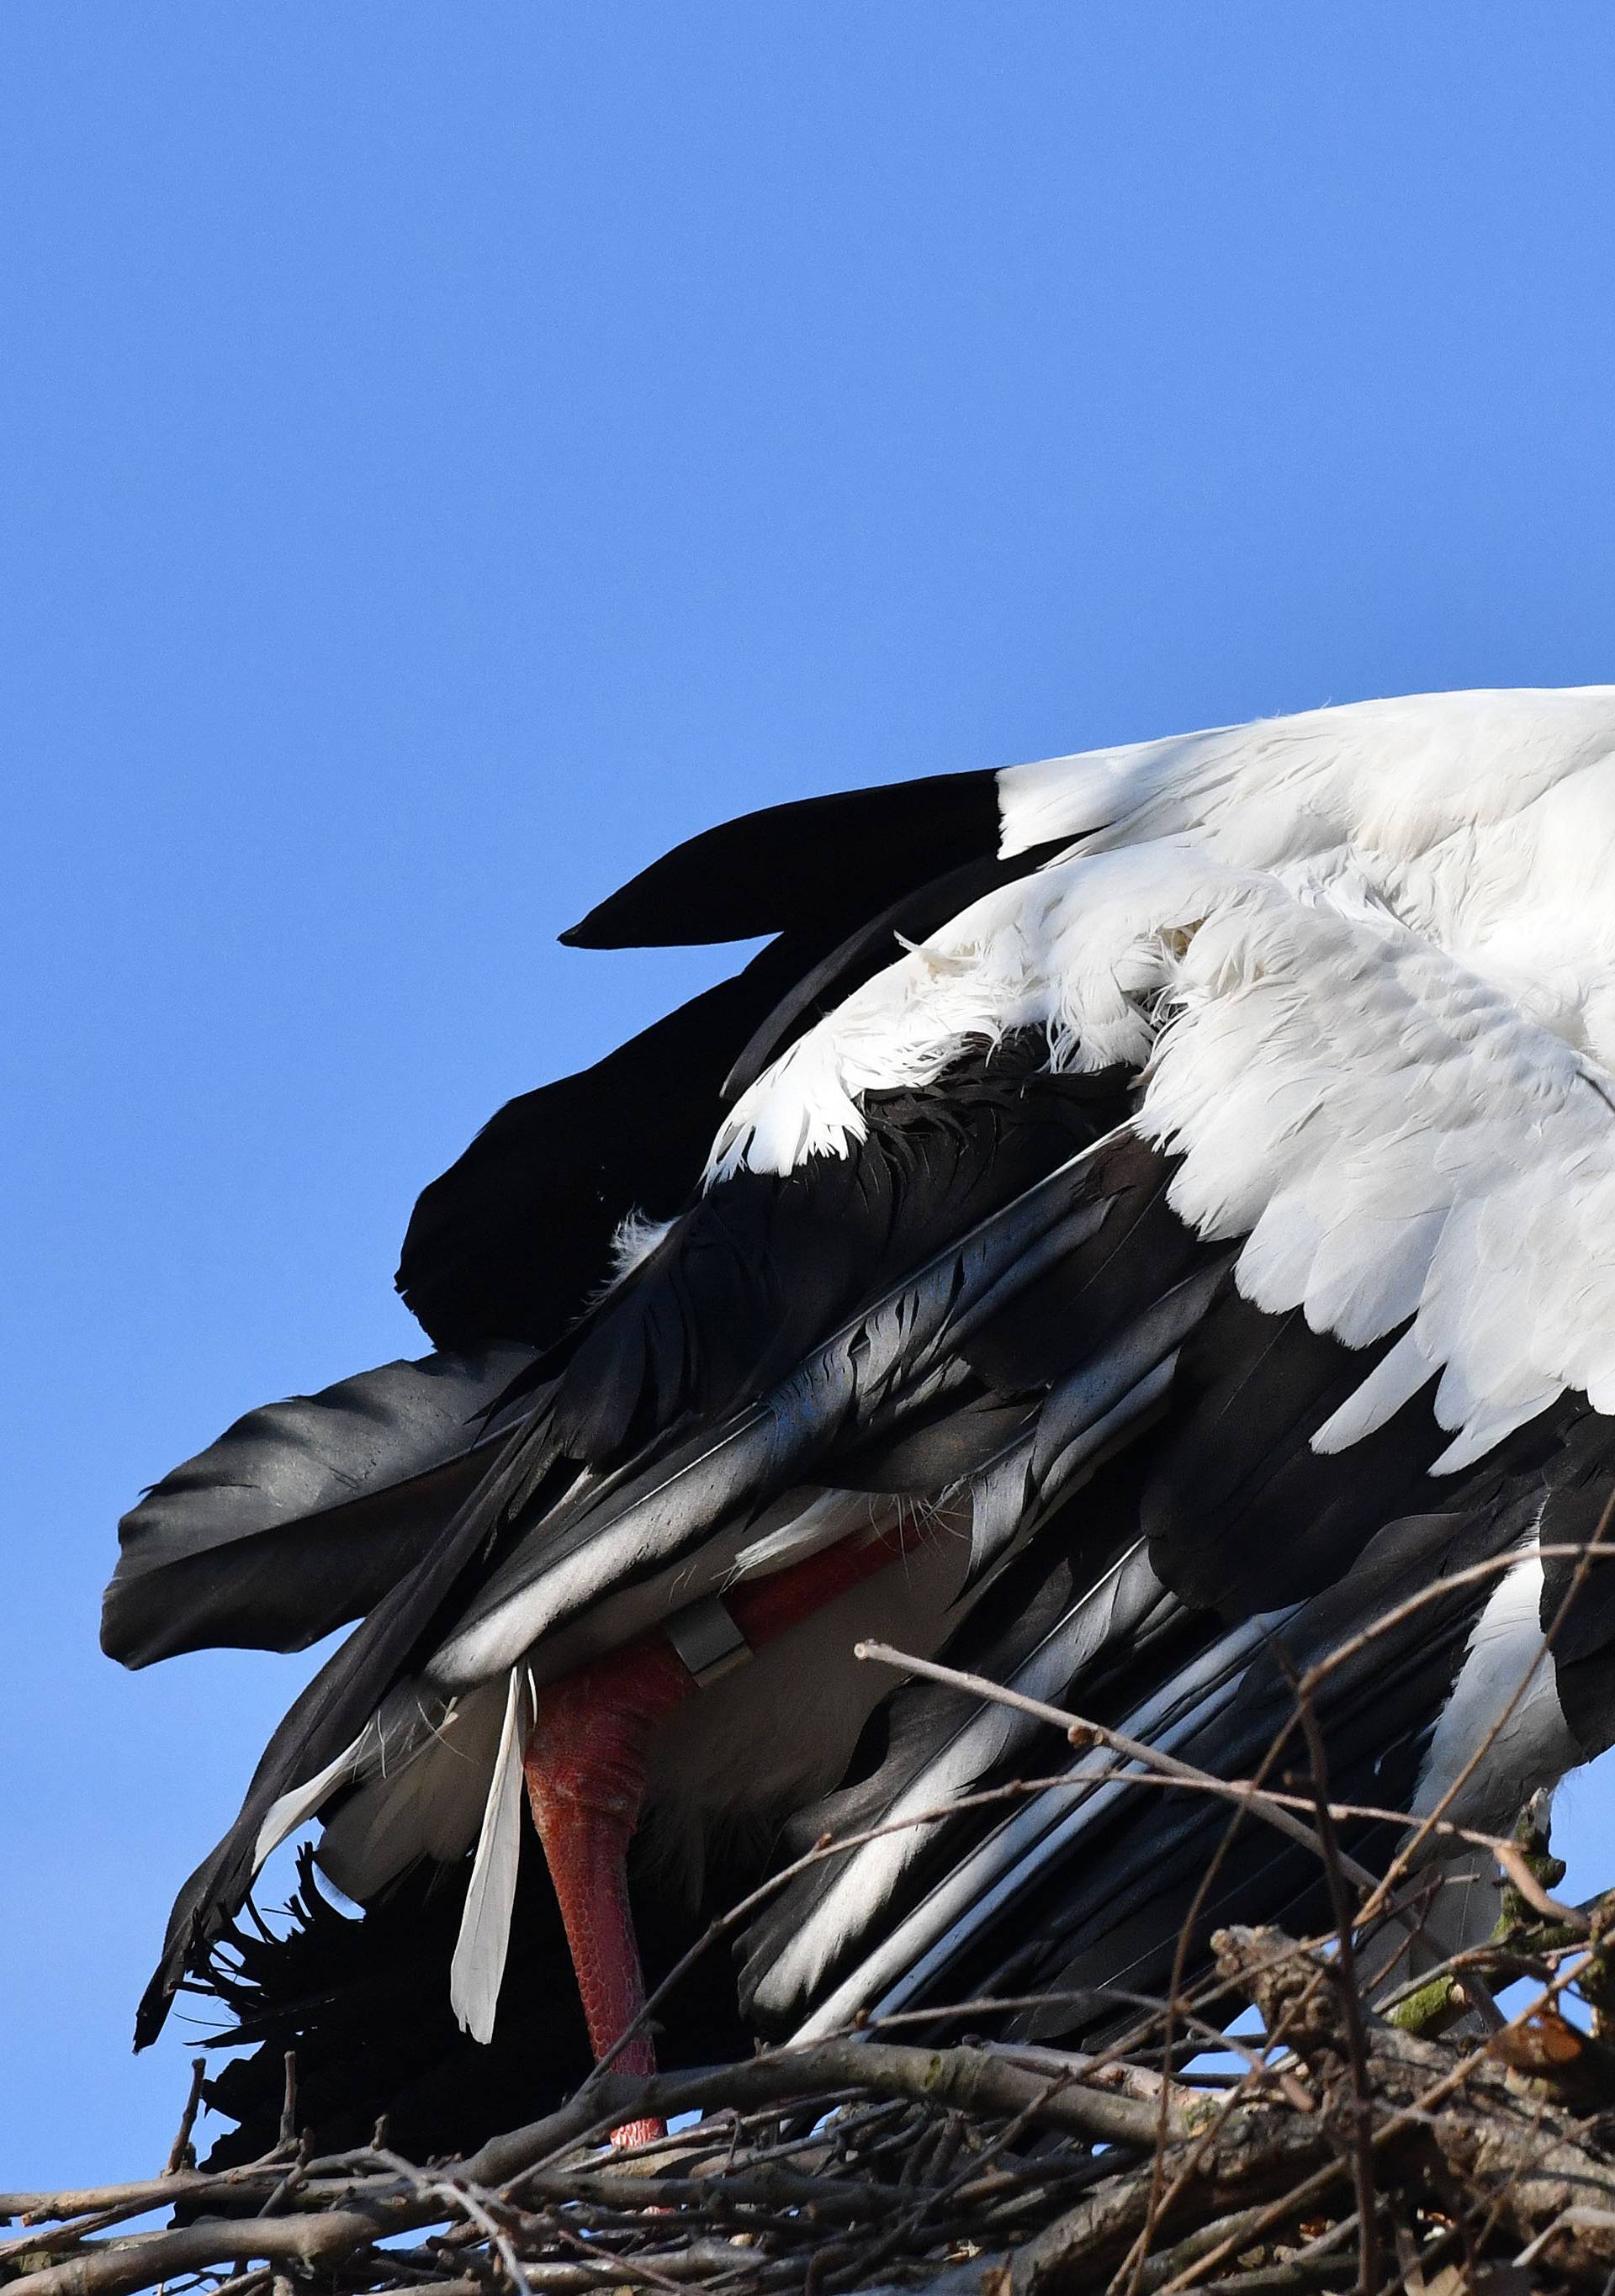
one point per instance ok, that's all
(511, 1241)
(834, 860)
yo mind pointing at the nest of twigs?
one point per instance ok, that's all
(1334, 2147)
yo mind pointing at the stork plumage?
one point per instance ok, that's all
(1143, 1217)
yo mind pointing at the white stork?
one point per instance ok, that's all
(1144, 1216)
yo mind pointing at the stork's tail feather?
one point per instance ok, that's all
(363, 2003)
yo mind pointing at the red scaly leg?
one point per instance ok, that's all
(587, 1762)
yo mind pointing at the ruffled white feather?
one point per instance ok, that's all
(1366, 962)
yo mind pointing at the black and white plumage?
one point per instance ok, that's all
(1182, 1177)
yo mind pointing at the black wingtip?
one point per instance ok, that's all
(815, 862)
(152, 2014)
(116, 1641)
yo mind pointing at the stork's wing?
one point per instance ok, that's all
(302, 1514)
(1197, 1219)
(1080, 1892)
(513, 1238)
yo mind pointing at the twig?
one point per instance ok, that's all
(1005, 2168)
(1081, 1731)
(1371, 2270)
(288, 2135)
(180, 2154)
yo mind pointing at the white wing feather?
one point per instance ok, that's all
(1381, 942)
(478, 1968)
(286, 1815)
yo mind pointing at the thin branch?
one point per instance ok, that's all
(1081, 1731)
(180, 2154)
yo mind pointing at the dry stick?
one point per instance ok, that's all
(133, 2200)
(316, 2242)
(241, 2282)
(461, 2194)
(179, 2151)
(1159, 2196)
(292, 2183)
(1132, 2079)
(1078, 1728)
(391, 2204)
(1162, 2194)
(1140, 2081)
(957, 2076)
(1585, 1553)
(884, 2247)
(1158, 2010)
(1370, 2271)
(1016, 1789)
(1312, 2187)
(147, 2193)
(288, 2136)
(827, 1846)
(1250, 1796)
(65, 2235)
(981, 2004)
(1266, 1802)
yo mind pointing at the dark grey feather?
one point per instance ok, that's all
(302, 1514)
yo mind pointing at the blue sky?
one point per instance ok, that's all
(452, 451)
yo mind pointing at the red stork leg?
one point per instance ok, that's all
(587, 1762)
(586, 1765)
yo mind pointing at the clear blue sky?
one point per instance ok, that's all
(451, 451)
